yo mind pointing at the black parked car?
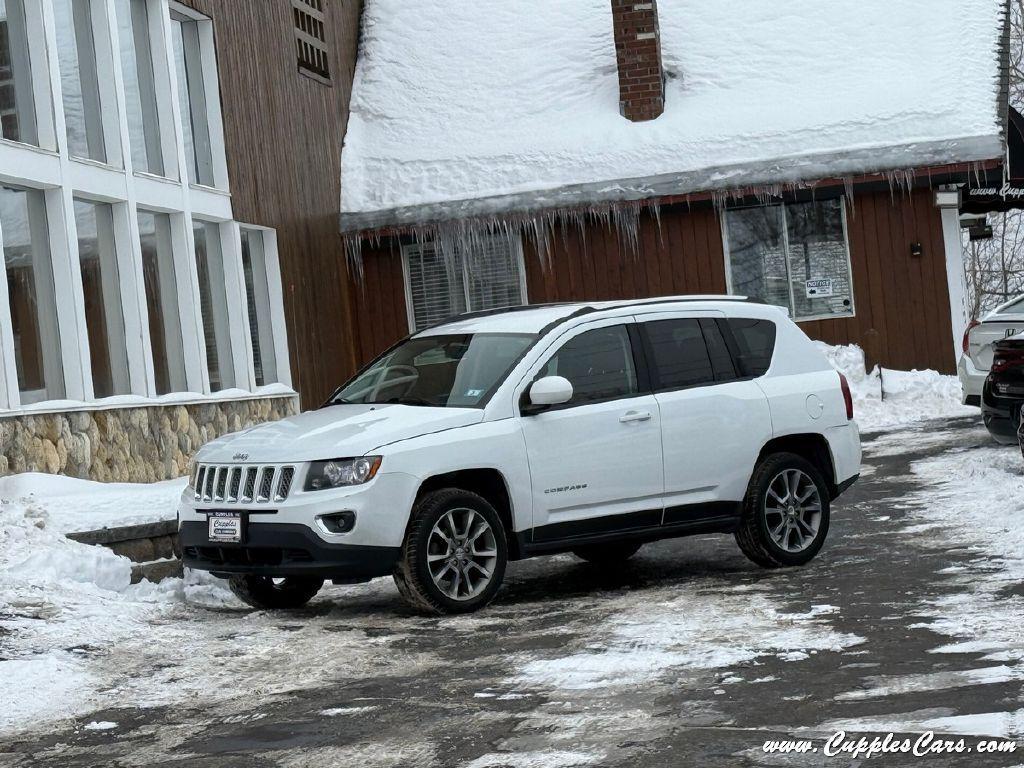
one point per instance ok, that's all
(1003, 395)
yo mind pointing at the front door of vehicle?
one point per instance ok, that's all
(595, 462)
(714, 420)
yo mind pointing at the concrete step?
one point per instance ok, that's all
(152, 547)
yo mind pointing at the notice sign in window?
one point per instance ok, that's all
(818, 289)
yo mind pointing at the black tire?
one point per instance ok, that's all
(412, 574)
(266, 593)
(608, 554)
(753, 535)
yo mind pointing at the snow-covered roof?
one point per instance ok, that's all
(463, 108)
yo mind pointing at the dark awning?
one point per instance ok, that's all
(1002, 189)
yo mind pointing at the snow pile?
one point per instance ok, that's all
(522, 98)
(886, 399)
(83, 505)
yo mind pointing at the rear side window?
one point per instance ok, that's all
(756, 342)
(679, 354)
(1014, 308)
(598, 364)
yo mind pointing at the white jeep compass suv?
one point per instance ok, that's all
(496, 436)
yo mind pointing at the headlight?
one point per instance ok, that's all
(338, 473)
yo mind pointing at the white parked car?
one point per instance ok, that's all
(587, 428)
(976, 362)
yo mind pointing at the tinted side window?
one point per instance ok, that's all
(718, 351)
(756, 341)
(679, 354)
(598, 363)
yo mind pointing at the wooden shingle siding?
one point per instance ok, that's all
(902, 315)
(283, 135)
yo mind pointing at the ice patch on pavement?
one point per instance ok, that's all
(705, 630)
(882, 687)
(1006, 725)
(887, 399)
(552, 759)
(338, 711)
(101, 725)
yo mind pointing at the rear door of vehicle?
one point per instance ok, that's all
(714, 419)
(1009, 321)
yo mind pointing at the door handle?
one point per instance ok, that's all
(631, 416)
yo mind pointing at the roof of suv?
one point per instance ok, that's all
(535, 318)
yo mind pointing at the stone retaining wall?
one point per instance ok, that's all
(129, 445)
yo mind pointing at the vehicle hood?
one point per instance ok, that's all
(339, 431)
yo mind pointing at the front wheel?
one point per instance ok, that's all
(454, 554)
(275, 594)
(785, 513)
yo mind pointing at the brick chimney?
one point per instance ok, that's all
(638, 51)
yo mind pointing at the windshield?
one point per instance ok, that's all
(458, 371)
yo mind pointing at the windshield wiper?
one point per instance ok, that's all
(339, 401)
(410, 401)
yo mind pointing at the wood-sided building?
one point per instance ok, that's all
(620, 149)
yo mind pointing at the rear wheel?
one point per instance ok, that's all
(275, 594)
(601, 554)
(454, 554)
(785, 513)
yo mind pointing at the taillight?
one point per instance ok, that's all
(1007, 358)
(967, 336)
(847, 396)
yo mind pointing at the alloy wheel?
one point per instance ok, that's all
(792, 510)
(462, 553)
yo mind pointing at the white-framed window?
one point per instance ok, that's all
(195, 66)
(122, 277)
(35, 343)
(163, 312)
(213, 304)
(146, 96)
(17, 106)
(83, 54)
(439, 283)
(259, 268)
(101, 289)
(793, 255)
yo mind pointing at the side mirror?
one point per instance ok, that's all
(551, 390)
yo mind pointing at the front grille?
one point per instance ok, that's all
(284, 485)
(233, 484)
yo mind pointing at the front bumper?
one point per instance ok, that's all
(381, 508)
(283, 549)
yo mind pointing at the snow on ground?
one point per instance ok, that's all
(76, 636)
(975, 500)
(82, 505)
(887, 399)
(487, 114)
(695, 631)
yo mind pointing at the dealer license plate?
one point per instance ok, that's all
(225, 526)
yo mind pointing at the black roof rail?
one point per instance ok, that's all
(495, 311)
(586, 307)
